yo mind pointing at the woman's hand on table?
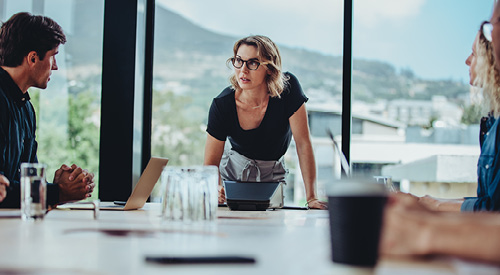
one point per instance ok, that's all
(429, 202)
(317, 204)
(406, 226)
(222, 194)
(432, 203)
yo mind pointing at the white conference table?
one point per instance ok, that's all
(281, 241)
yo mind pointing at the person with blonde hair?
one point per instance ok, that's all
(483, 72)
(485, 76)
(412, 228)
(259, 113)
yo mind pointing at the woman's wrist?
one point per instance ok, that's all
(441, 204)
(454, 205)
(310, 192)
(311, 200)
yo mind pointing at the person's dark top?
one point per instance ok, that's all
(270, 140)
(17, 140)
(488, 169)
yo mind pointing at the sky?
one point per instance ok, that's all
(431, 37)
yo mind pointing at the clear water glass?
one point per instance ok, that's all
(190, 193)
(33, 191)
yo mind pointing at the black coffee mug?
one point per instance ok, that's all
(356, 212)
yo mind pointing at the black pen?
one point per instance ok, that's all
(200, 259)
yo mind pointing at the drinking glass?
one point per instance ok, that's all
(190, 193)
(33, 191)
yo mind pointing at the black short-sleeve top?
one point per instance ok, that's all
(270, 140)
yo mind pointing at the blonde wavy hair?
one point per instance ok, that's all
(268, 53)
(487, 76)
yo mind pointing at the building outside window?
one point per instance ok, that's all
(409, 85)
(409, 72)
(193, 40)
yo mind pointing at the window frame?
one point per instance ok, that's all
(121, 152)
(125, 136)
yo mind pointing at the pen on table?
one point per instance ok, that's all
(199, 259)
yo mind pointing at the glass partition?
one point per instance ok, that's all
(413, 118)
(193, 40)
(68, 111)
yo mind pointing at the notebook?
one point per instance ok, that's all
(253, 195)
(139, 195)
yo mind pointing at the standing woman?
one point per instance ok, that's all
(259, 113)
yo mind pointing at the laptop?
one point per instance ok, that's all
(253, 196)
(139, 195)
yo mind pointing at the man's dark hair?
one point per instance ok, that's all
(23, 33)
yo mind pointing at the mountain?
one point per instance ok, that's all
(195, 58)
(190, 54)
(174, 34)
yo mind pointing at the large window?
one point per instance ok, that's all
(68, 111)
(193, 40)
(412, 114)
(411, 109)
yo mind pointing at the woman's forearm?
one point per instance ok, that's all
(473, 236)
(452, 205)
(436, 204)
(307, 165)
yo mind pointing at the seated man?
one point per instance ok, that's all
(28, 45)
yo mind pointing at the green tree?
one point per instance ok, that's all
(472, 114)
(76, 140)
(178, 129)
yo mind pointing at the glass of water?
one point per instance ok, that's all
(190, 193)
(33, 191)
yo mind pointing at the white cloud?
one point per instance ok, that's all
(224, 15)
(230, 14)
(294, 23)
(388, 30)
(369, 13)
(312, 24)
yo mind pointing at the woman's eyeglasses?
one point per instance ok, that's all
(252, 64)
(487, 28)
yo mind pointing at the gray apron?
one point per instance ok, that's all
(234, 166)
